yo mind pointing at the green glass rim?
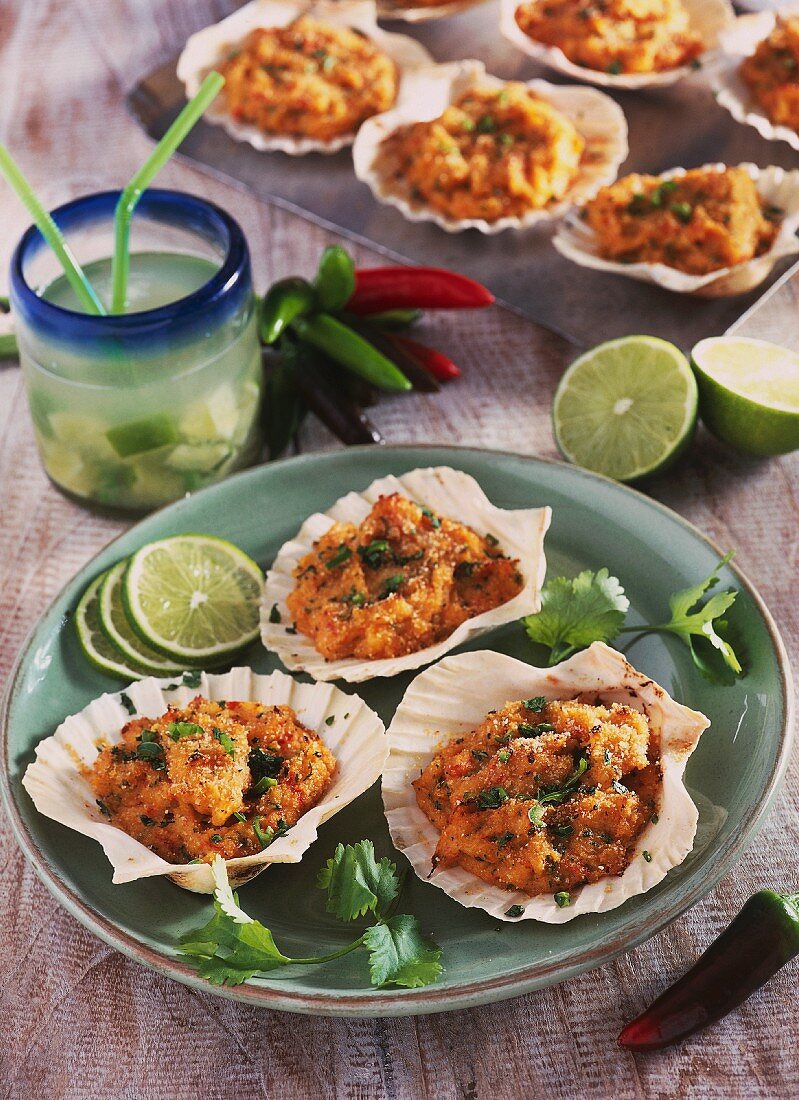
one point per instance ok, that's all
(428, 999)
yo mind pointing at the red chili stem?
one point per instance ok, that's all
(439, 365)
(382, 288)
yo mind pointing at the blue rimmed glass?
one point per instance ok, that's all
(135, 410)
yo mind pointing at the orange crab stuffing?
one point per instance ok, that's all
(544, 797)
(772, 73)
(401, 581)
(210, 779)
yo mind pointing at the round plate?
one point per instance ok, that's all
(733, 775)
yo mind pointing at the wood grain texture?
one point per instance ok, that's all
(82, 1021)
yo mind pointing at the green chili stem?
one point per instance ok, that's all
(129, 199)
(333, 954)
(52, 234)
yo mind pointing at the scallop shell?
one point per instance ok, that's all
(446, 491)
(408, 13)
(205, 49)
(453, 698)
(737, 42)
(59, 790)
(429, 91)
(576, 240)
(708, 18)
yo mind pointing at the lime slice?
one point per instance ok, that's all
(114, 624)
(193, 598)
(627, 408)
(98, 649)
(749, 393)
(139, 436)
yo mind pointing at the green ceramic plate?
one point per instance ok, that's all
(734, 774)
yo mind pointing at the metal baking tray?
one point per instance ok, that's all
(678, 126)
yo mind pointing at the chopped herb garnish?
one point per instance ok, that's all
(514, 911)
(356, 598)
(341, 555)
(191, 678)
(274, 614)
(263, 764)
(391, 584)
(524, 729)
(176, 730)
(372, 555)
(240, 817)
(127, 702)
(145, 820)
(101, 806)
(559, 794)
(492, 540)
(536, 704)
(506, 838)
(264, 836)
(479, 754)
(504, 756)
(614, 68)
(492, 798)
(263, 785)
(562, 899)
(330, 719)
(434, 520)
(486, 124)
(682, 211)
(654, 819)
(150, 750)
(225, 740)
(216, 839)
(647, 856)
(536, 815)
(563, 830)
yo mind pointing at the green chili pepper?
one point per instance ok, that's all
(283, 406)
(395, 318)
(285, 301)
(350, 350)
(335, 279)
(762, 938)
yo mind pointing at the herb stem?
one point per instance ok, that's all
(333, 954)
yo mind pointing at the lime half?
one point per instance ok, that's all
(193, 598)
(627, 408)
(113, 621)
(94, 643)
(749, 393)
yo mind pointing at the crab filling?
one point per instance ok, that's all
(544, 797)
(614, 36)
(772, 73)
(699, 222)
(210, 779)
(401, 581)
(493, 153)
(308, 79)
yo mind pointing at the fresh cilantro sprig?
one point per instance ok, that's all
(232, 947)
(592, 608)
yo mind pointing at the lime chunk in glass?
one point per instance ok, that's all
(749, 393)
(627, 408)
(193, 598)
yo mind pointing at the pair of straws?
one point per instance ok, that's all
(123, 216)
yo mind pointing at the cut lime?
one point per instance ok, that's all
(627, 408)
(98, 649)
(139, 436)
(749, 393)
(113, 621)
(193, 598)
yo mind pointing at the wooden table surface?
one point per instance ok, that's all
(82, 1021)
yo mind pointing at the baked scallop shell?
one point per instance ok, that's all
(208, 47)
(453, 698)
(737, 42)
(428, 92)
(707, 17)
(777, 186)
(59, 790)
(445, 491)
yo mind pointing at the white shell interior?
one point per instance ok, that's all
(453, 697)
(576, 240)
(59, 790)
(448, 492)
(737, 42)
(708, 18)
(208, 47)
(428, 92)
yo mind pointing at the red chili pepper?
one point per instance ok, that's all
(762, 938)
(383, 288)
(439, 365)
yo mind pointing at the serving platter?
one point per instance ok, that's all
(733, 776)
(679, 126)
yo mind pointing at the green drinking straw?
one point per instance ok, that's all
(52, 234)
(128, 200)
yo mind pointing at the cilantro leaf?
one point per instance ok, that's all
(356, 883)
(228, 953)
(697, 624)
(575, 613)
(399, 954)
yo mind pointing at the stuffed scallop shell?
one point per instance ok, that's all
(586, 142)
(440, 491)
(59, 787)
(213, 46)
(453, 698)
(708, 18)
(777, 187)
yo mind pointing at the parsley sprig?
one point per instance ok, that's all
(232, 947)
(592, 607)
